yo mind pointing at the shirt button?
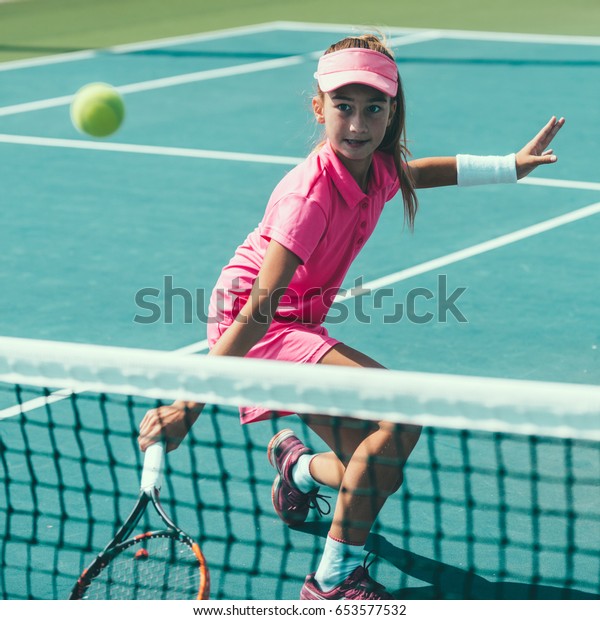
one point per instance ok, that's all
(363, 225)
(364, 204)
(360, 241)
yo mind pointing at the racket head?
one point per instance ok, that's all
(159, 565)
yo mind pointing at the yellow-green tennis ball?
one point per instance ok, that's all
(98, 110)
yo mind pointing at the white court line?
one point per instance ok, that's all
(26, 63)
(144, 149)
(561, 183)
(170, 151)
(211, 74)
(211, 35)
(415, 37)
(63, 394)
(460, 255)
(344, 29)
(467, 35)
(196, 347)
(200, 76)
(36, 403)
(411, 36)
(367, 287)
(475, 250)
(176, 80)
(515, 37)
(408, 37)
(509, 37)
(136, 47)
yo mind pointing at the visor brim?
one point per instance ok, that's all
(331, 81)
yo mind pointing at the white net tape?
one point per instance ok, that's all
(451, 401)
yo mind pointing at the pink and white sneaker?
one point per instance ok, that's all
(290, 503)
(358, 586)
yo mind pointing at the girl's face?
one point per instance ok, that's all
(356, 118)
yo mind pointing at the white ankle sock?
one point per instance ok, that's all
(338, 561)
(301, 474)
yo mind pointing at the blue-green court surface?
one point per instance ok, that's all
(92, 231)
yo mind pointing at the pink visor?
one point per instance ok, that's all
(356, 65)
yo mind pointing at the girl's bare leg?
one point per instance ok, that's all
(367, 459)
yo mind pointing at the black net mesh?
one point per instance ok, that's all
(481, 515)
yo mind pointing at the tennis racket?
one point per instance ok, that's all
(163, 564)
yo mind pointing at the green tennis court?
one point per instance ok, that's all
(119, 242)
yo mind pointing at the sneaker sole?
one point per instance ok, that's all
(288, 521)
(274, 490)
(274, 444)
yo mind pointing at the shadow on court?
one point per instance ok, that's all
(450, 582)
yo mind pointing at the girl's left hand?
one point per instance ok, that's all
(534, 153)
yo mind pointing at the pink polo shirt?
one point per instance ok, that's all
(319, 213)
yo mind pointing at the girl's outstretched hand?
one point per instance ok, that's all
(170, 423)
(535, 153)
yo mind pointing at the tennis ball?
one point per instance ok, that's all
(97, 109)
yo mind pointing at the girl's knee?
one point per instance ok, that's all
(399, 439)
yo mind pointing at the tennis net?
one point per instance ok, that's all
(501, 498)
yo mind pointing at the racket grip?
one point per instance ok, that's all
(153, 467)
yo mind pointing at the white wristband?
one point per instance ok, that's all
(482, 170)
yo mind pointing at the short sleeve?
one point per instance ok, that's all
(297, 222)
(392, 189)
(387, 175)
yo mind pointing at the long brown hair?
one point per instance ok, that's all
(394, 141)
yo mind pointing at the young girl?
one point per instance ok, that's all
(272, 301)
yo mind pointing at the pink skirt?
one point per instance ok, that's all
(285, 341)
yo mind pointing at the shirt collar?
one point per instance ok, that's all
(342, 179)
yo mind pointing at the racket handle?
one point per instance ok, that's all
(153, 467)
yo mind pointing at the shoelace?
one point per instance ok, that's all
(366, 563)
(371, 588)
(311, 499)
(314, 497)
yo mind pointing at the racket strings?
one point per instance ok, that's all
(155, 567)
